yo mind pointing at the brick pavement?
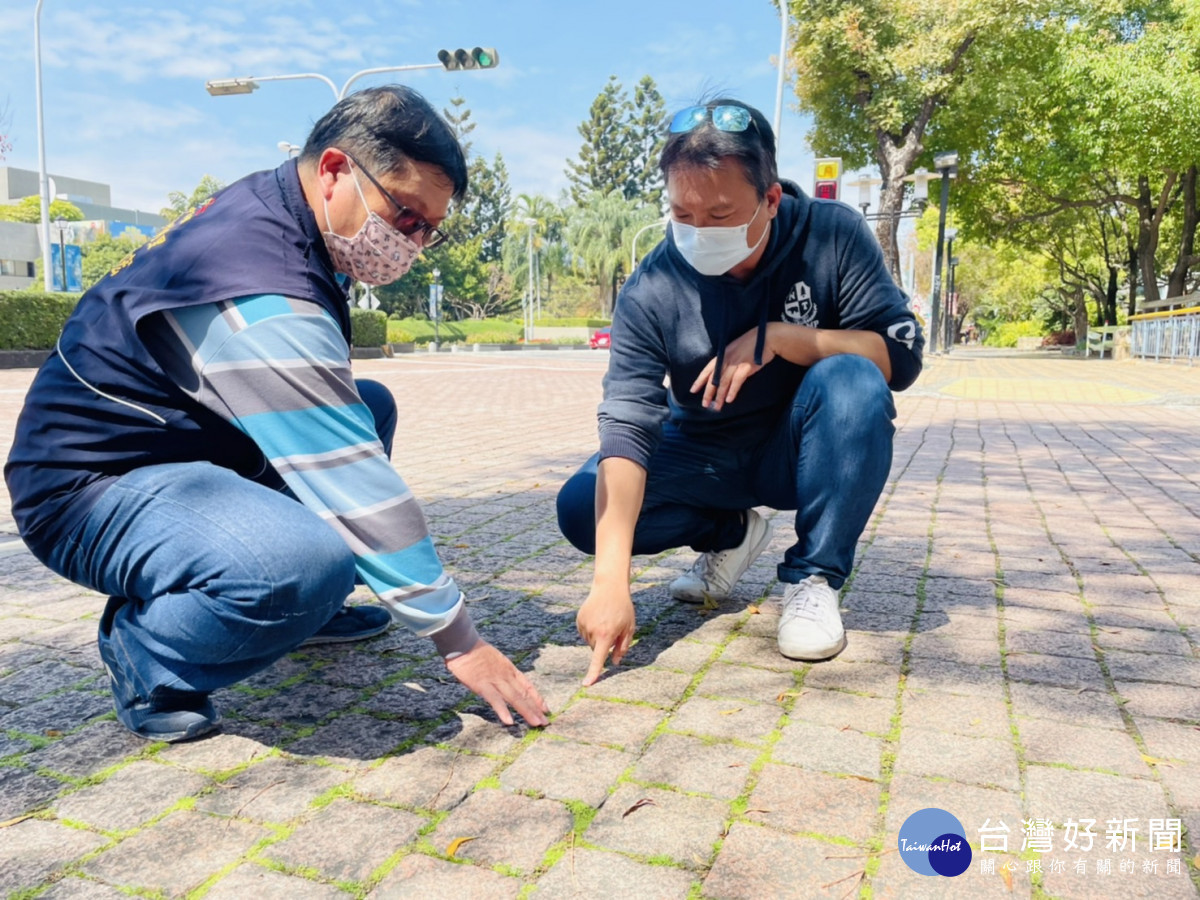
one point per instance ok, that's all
(1024, 620)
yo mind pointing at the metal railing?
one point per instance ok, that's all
(1170, 335)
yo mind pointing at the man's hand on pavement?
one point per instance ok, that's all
(490, 674)
(606, 621)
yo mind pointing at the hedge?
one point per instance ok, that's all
(368, 327)
(571, 323)
(32, 320)
(421, 331)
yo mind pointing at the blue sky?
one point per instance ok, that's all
(124, 82)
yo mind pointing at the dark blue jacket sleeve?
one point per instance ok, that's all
(869, 300)
(635, 397)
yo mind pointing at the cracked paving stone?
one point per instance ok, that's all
(623, 725)
(249, 880)
(695, 766)
(33, 850)
(424, 876)
(584, 873)
(87, 752)
(22, 790)
(832, 806)
(564, 770)
(429, 778)
(757, 862)
(730, 719)
(835, 750)
(959, 758)
(130, 796)
(274, 790)
(508, 829)
(677, 826)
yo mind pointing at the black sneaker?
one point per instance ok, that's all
(169, 715)
(352, 623)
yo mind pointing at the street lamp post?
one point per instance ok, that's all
(224, 87)
(529, 224)
(43, 178)
(435, 306)
(638, 234)
(783, 40)
(947, 165)
(61, 226)
(951, 305)
(948, 306)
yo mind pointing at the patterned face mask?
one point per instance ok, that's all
(377, 254)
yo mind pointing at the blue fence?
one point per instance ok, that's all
(1170, 335)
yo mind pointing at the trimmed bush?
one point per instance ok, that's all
(399, 335)
(1006, 333)
(368, 328)
(492, 337)
(577, 322)
(455, 332)
(33, 320)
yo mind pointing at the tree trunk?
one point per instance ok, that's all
(894, 162)
(1079, 315)
(1150, 216)
(1177, 284)
(1110, 298)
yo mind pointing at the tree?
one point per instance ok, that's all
(101, 255)
(181, 203)
(29, 210)
(646, 140)
(607, 155)
(5, 134)
(876, 75)
(458, 120)
(600, 231)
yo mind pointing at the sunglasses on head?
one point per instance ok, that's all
(724, 118)
(408, 221)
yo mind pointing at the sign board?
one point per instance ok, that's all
(74, 267)
(435, 301)
(827, 185)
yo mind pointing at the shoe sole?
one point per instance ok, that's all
(318, 639)
(199, 730)
(707, 597)
(814, 656)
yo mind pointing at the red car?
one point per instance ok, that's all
(601, 339)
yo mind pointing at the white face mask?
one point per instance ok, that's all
(715, 250)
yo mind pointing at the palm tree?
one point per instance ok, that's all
(599, 232)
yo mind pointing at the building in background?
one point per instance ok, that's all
(20, 243)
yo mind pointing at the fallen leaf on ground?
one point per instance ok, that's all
(752, 609)
(456, 845)
(412, 685)
(645, 801)
(730, 712)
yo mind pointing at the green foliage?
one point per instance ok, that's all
(103, 253)
(368, 327)
(421, 331)
(493, 337)
(33, 320)
(458, 119)
(181, 203)
(29, 211)
(575, 322)
(600, 232)
(398, 335)
(621, 142)
(1005, 334)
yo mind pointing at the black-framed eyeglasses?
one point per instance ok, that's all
(724, 118)
(408, 221)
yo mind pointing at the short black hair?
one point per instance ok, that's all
(707, 146)
(386, 127)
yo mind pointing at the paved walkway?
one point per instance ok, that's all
(1024, 620)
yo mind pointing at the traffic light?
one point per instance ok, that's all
(828, 182)
(826, 190)
(476, 58)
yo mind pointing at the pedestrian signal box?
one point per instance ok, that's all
(827, 185)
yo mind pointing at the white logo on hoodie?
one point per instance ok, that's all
(799, 308)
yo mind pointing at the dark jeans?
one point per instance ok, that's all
(212, 577)
(827, 458)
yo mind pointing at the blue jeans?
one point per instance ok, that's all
(827, 458)
(211, 577)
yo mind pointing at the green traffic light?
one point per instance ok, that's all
(485, 59)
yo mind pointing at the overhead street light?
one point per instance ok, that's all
(224, 87)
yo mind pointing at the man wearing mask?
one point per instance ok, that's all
(752, 355)
(197, 449)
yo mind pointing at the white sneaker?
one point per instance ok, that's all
(810, 627)
(713, 575)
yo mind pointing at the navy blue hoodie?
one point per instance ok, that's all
(822, 268)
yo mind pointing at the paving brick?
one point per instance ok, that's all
(565, 770)
(945, 677)
(33, 850)
(1167, 701)
(836, 750)
(584, 873)
(1169, 669)
(95, 747)
(658, 687)
(177, 855)
(896, 881)
(745, 683)
(1053, 643)
(624, 725)
(475, 734)
(428, 778)
(81, 889)
(729, 719)
(758, 651)
(1168, 740)
(877, 680)
(681, 656)
(218, 753)
(275, 790)
(794, 799)
(424, 876)
(249, 880)
(1062, 671)
(58, 712)
(347, 841)
(1060, 794)
(1081, 706)
(718, 769)
(1166, 639)
(968, 652)
(974, 806)
(130, 796)
(970, 760)
(354, 738)
(956, 713)
(680, 827)
(505, 828)
(1071, 884)
(1050, 741)
(841, 709)
(757, 862)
